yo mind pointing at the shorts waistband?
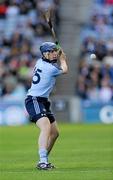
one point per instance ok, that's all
(38, 98)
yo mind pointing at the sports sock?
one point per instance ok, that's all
(43, 156)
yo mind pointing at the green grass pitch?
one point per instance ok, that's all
(83, 152)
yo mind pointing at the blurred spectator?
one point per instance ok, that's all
(3, 10)
(12, 89)
(108, 59)
(100, 50)
(93, 93)
(105, 93)
(109, 2)
(12, 10)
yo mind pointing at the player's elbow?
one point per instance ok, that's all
(65, 70)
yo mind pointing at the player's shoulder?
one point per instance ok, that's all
(38, 62)
(56, 66)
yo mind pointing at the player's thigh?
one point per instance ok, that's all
(43, 123)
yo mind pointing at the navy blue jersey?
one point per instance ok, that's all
(44, 78)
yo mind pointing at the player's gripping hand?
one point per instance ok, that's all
(61, 54)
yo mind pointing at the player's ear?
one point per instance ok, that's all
(46, 55)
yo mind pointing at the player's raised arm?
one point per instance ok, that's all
(63, 61)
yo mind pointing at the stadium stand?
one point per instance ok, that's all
(22, 30)
(95, 79)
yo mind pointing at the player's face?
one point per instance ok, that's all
(53, 55)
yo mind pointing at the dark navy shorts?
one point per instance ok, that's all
(38, 107)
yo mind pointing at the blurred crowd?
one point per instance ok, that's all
(95, 74)
(22, 30)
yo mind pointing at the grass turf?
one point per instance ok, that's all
(83, 152)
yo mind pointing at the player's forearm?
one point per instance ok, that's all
(64, 66)
(63, 62)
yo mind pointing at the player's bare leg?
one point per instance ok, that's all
(44, 126)
(54, 133)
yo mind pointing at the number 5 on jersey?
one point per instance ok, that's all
(36, 77)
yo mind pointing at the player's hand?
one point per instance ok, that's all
(62, 55)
